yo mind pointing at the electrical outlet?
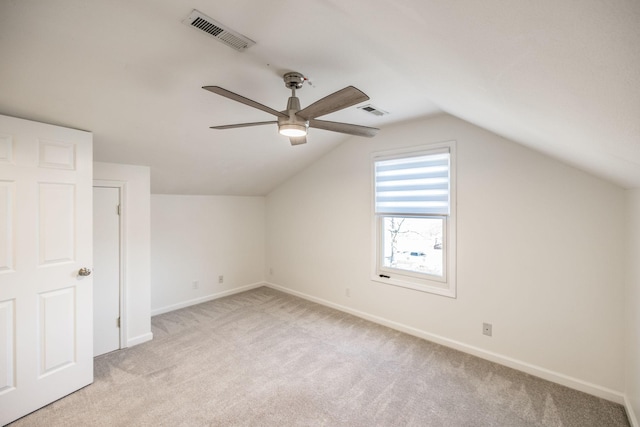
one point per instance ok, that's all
(195, 284)
(486, 329)
(271, 272)
(347, 292)
(220, 279)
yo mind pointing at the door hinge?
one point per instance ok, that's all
(118, 322)
(119, 210)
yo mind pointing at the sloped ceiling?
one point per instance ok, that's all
(562, 77)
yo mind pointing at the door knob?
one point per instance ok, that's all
(84, 271)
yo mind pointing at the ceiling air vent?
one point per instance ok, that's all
(373, 110)
(218, 31)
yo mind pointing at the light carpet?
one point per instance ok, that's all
(266, 358)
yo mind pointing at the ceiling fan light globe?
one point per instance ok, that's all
(292, 130)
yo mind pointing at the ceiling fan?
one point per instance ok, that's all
(295, 122)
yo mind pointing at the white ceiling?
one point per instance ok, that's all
(562, 77)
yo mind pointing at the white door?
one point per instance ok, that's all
(106, 271)
(46, 320)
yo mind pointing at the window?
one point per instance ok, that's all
(414, 207)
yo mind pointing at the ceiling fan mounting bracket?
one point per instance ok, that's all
(293, 80)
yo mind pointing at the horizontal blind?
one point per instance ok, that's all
(413, 185)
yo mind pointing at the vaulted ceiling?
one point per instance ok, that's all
(562, 77)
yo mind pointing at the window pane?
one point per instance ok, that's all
(413, 244)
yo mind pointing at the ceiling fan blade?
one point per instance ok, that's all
(243, 125)
(297, 140)
(336, 101)
(239, 98)
(344, 128)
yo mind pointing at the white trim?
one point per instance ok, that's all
(205, 298)
(537, 371)
(140, 339)
(630, 414)
(122, 187)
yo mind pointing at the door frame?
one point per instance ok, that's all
(122, 186)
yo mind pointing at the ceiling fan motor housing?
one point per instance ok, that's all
(292, 125)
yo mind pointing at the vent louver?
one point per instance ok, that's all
(373, 110)
(218, 31)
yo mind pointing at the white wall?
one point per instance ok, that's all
(632, 309)
(198, 238)
(540, 253)
(137, 238)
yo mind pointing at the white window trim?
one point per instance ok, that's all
(447, 286)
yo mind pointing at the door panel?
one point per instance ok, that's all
(6, 149)
(6, 225)
(46, 320)
(57, 154)
(57, 223)
(7, 342)
(57, 338)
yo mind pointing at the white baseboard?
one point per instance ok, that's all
(537, 371)
(205, 298)
(630, 413)
(139, 339)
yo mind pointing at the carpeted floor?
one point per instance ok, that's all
(265, 358)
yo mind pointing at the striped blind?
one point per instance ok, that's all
(413, 185)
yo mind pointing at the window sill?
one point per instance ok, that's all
(423, 285)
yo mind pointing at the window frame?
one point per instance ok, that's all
(445, 285)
